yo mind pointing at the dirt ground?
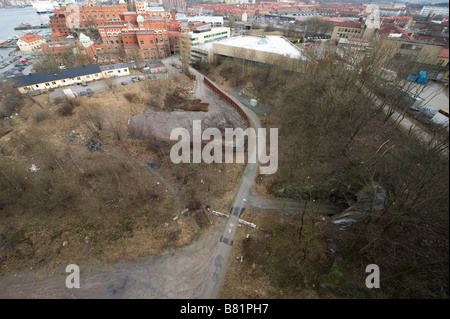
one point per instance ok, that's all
(102, 205)
(159, 124)
(168, 274)
(246, 280)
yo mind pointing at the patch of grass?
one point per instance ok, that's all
(39, 116)
(18, 237)
(66, 108)
(131, 97)
(123, 229)
(291, 253)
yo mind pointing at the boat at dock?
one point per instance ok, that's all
(12, 41)
(27, 26)
(45, 6)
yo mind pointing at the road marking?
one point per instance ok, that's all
(237, 211)
(226, 241)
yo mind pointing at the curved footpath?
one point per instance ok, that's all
(216, 271)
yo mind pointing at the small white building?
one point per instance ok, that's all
(439, 11)
(115, 70)
(30, 43)
(44, 81)
(216, 22)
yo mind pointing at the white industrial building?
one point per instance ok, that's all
(252, 49)
(216, 22)
(265, 45)
(439, 11)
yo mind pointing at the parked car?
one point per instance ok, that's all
(135, 79)
(141, 78)
(83, 83)
(21, 69)
(83, 93)
(124, 83)
(89, 91)
(18, 64)
(152, 77)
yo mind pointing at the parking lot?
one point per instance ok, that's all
(98, 86)
(172, 63)
(13, 66)
(10, 67)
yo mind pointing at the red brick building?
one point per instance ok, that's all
(58, 25)
(91, 13)
(57, 51)
(111, 34)
(174, 4)
(150, 36)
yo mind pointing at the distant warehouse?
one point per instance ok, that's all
(256, 50)
(44, 81)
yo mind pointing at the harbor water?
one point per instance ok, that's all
(13, 17)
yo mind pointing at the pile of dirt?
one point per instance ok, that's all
(179, 99)
(195, 105)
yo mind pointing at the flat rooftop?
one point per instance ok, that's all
(205, 18)
(113, 67)
(204, 46)
(218, 29)
(271, 44)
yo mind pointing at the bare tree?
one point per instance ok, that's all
(44, 63)
(12, 100)
(185, 51)
(109, 81)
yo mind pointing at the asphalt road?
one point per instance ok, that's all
(96, 86)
